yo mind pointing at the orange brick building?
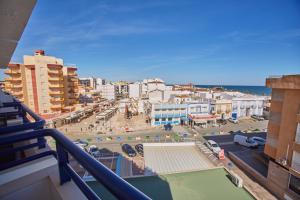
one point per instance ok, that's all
(283, 138)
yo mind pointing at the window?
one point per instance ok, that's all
(294, 184)
(170, 119)
(157, 119)
(163, 119)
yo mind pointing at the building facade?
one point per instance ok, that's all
(71, 91)
(108, 91)
(41, 84)
(162, 114)
(221, 108)
(199, 114)
(243, 107)
(283, 137)
(135, 90)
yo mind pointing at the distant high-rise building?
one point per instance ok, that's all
(43, 83)
(283, 137)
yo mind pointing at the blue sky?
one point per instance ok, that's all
(233, 42)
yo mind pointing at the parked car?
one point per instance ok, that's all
(259, 140)
(128, 150)
(213, 146)
(93, 150)
(235, 121)
(140, 149)
(81, 142)
(244, 141)
(257, 117)
(80, 146)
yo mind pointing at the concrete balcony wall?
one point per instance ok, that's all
(38, 179)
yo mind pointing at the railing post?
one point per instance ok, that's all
(41, 142)
(62, 157)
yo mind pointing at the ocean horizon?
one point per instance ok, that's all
(249, 89)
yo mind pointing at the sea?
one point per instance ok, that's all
(256, 90)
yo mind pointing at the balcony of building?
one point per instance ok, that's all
(73, 79)
(12, 79)
(56, 100)
(45, 173)
(72, 74)
(55, 78)
(56, 92)
(15, 86)
(12, 71)
(54, 66)
(56, 85)
(56, 106)
(17, 93)
(56, 72)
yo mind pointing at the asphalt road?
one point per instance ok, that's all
(253, 157)
(226, 141)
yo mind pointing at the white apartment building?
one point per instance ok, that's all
(165, 113)
(99, 83)
(199, 114)
(135, 90)
(245, 105)
(108, 91)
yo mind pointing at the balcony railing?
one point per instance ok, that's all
(56, 100)
(56, 85)
(64, 147)
(9, 71)
(56, 93)
(55, 78)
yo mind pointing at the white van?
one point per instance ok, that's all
(245, 141)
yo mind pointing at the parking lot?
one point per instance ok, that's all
(254, 157)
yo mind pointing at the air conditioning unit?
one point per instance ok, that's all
(238, 181)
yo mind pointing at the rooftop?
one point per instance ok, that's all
(202, 185)
(284, 82)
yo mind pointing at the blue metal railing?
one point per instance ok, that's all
(22, 110)
(116, 185)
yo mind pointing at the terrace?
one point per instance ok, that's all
(201, 185)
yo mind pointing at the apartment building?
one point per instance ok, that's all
(43, 83)
(71, 90)
(221, 108)
(108, 91)
(14, 83)
(283, 138)
(135, 90)
(88, 83)
(162, 114)
(199, 114)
